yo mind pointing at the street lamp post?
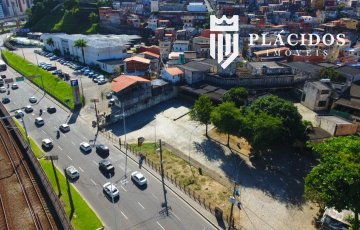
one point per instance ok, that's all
(113, 202)
(165, 204)
(190, 143)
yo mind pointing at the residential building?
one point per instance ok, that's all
(316, 96)
(196, 7)
(181, 45)
(172, 74)
(108, 15)
(98, 47)
(304, 69)
(349, 103)
(336, 126)
(154, 5)
(2, 15)
(267, 68)
(137, 65)
(154, 60)
(201, 45)
(152, 49)
(195, 72)
(15, 7)
(351, 73)
(111, 65)
(165, 48)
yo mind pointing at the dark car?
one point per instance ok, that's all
(51, 68)
(3, 76)
(5, 100)
(51, 109)
(103, 149)
(109, 95)
(106, 166)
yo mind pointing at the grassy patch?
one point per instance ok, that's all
(83, 216)
(53, 85)
(35, 148)
(188, 176)
(69, 22)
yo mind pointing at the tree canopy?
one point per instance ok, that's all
(335, 181)
(332, 74)
(292, 126)
(238, 95)
(201, 111)
(93, 17)
(227, 119)
(39, 9)
(81, 43)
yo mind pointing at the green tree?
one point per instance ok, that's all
(93, 17)
(227, 119)
(335, 181)
(81, 43)
(71, 5)
(201, 111)
(332, 74)
(261, 130)
(293, 127)
(50, 42)
(238, 95)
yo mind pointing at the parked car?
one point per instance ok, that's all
(28, 109)
(106, 166)
(109, 95)
(53, 58)
(102, 149)
(5, 100)
(2, 89)
(19, 113)
(39, 121)
(64, 128)
(101, 81)
(3, 76)
(14, 86)
(72, 172)
(85, 147)
(51, 109)
(111, 102)
(47, 143)
(111, 190)
(51, 68)
(138, 178)
(33, 99)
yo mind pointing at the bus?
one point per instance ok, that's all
(2, 65)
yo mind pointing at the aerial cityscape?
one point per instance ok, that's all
(174, 114)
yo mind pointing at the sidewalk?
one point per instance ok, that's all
(205, 213)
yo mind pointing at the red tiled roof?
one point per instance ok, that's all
(151, 54)
(124, 81)
(138, 59)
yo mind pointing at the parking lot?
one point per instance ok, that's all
(88, 87)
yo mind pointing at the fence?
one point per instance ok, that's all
(59, 210)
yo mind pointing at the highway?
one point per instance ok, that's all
(136, 208)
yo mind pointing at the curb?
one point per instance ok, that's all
(176, 193)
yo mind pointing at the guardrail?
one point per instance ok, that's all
(47, 187)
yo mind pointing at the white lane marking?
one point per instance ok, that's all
(81, 169)
(93, 181)
(60, 148)
(69, 157)
(154, 196)
(94, 162)
(124, 215)
(72, 143)
(43, 132)
(176, 216)
(123, 188)
(160, 225)
(141, 205)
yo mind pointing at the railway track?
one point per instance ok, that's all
(32, 210)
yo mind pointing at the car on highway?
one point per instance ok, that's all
(138, 178)
(39, 121)
(33, 99)
(3, 76)
(102, 149)
(109, 95)
(72, 172)
(5, 100)
(85, 147)
(19, 113)
(14, 86)
(51, 109)
(28, 109)
(2, 89)
(106, 166)
(64, 128)
(111, 190)
(101, 81)
(47, 143)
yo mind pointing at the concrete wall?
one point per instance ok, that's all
(343, 130)
(335, 129)
(312, 96)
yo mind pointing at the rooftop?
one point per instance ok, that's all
(304, 66)
(269, 64)
(348, 70)
(174, 71)
(138, 59)
(99, 40)
(124, 81)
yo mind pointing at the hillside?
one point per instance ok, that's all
(64, 21)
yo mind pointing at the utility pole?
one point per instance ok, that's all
(165, 204)
(52, 158)
(96, 113)
(126, 145)
(232, 200)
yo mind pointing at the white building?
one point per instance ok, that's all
(172, 74)
(98, 47)
(316, 96)
(196, 7)
(152, 23)
(154, 6)
(2, 15)
(181, 45)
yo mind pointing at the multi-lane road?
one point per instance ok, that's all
(136, 208)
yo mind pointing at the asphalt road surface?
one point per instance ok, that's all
(136, 208)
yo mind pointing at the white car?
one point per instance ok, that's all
(138, 178)
(84, 146)
(14, 86)
(111, 190)
(64, 128)
(19, 113)
(39, 121)
(72, 172)
(32, 99)
(47, 143)
(2, 89)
